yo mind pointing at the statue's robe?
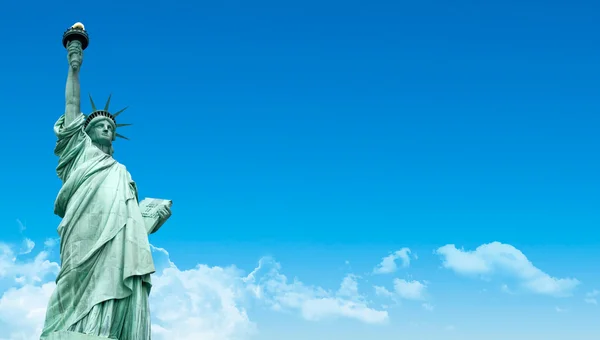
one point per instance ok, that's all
(104, 281)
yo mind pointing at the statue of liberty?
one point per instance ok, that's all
(103, 285)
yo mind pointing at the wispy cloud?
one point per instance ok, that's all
(22, 225)
(27, 246)
(493, 258)
(388, 264)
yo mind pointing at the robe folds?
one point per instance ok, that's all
(104, 281)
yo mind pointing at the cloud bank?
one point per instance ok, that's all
(217, 303)
(204, 302)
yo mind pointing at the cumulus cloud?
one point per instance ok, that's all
(498, 258)
(199, 303)
(22, 311)
(591, 297)
(382, 291)
(24, 272)
(23, 305)
(403, 289)
(203, 302)
(388, 264)
(410, 290)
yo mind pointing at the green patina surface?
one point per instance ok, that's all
(103, 286)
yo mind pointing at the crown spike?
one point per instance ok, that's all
(119, 112)
(92, 102)
(107, 102)
(121, 136)
(121, 125)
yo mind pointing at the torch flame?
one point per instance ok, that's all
(78, 25)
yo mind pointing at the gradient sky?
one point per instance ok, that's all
(316, 138)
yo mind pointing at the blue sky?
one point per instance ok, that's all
(313, 139)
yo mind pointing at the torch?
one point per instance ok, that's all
(76, 32)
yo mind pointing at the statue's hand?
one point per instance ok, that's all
(75, 54)
(164, 213)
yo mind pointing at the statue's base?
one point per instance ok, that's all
(63, 335)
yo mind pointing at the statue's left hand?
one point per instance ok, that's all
(164, 212)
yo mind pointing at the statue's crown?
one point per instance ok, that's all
(103, 114)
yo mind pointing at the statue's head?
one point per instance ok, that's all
(102, 131)
(101, 126)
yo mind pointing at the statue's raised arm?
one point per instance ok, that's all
(75, 49)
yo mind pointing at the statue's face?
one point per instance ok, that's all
(102, 132)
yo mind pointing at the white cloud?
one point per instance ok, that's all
(403, 289)
(388, 264)
(428, 306)
(313, 303)
(24, 272)
(203, 302)
(410, 290)
(382, 291)
(493, 258)
(349, 287)
(199, 303)
(23, 308)
(51, 242)
(22, 311)
(591, 297)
